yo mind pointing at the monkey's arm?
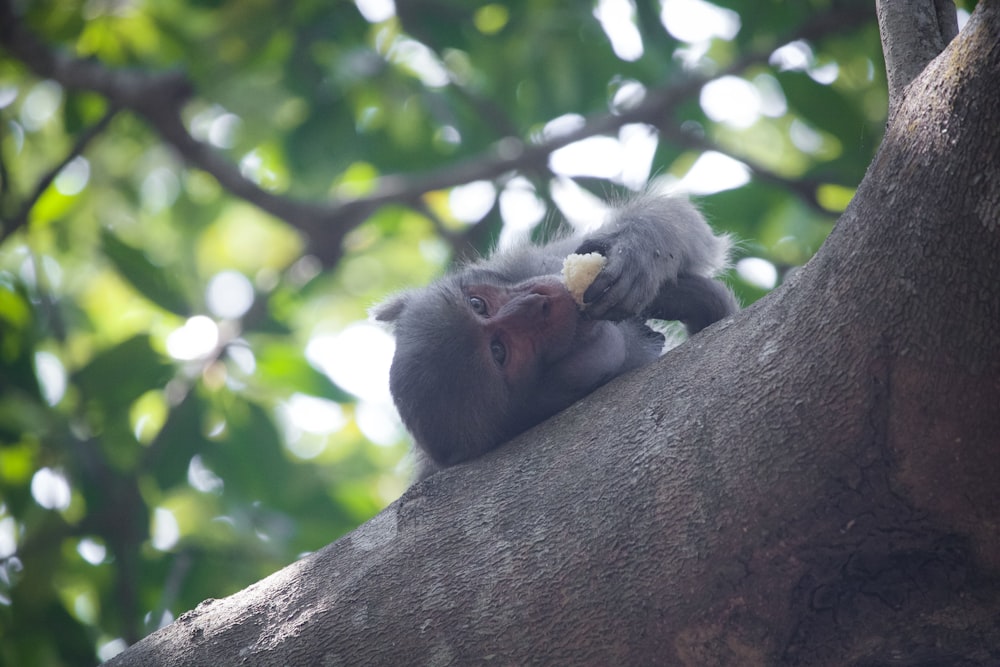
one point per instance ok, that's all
(695, 301)
(661, 256)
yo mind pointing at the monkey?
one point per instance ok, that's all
(500, 344)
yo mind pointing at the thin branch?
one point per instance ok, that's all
(21, 217)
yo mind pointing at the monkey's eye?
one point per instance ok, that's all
(499, 352)
(478, 305)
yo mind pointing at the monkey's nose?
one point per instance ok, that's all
(534, 306)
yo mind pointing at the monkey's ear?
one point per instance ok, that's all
(390, 309)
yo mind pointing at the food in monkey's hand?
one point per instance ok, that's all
(579, 271)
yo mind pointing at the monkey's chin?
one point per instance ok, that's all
(598, 353)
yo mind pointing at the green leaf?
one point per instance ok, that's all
(152, 281)
(282, 367)
(17, 339)
(117, 376)
(822, 106)
(182, 437)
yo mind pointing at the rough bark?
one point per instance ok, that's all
(814, 481)
(913, 32)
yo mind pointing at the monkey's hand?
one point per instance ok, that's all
(635, 271)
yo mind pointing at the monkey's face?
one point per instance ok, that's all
(479, 360)
(517, 331)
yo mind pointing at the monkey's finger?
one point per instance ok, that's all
(621, 290)
(600, 287)
(600, 246)
(604, 292)
(613, 302)
(610, 309)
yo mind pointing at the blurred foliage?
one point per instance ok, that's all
(164, 435)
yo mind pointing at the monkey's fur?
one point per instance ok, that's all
(500, 345)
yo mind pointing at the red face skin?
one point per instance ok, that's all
(536, 337)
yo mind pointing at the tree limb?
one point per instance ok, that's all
(913, 33)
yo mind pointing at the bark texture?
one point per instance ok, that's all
(913, 32)
(815, 481)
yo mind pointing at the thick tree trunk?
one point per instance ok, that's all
(815, 481)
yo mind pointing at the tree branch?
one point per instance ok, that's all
(21, 217)
(913, 33)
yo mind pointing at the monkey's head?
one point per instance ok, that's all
(479, 359)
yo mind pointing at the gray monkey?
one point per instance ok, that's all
(500, 345)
